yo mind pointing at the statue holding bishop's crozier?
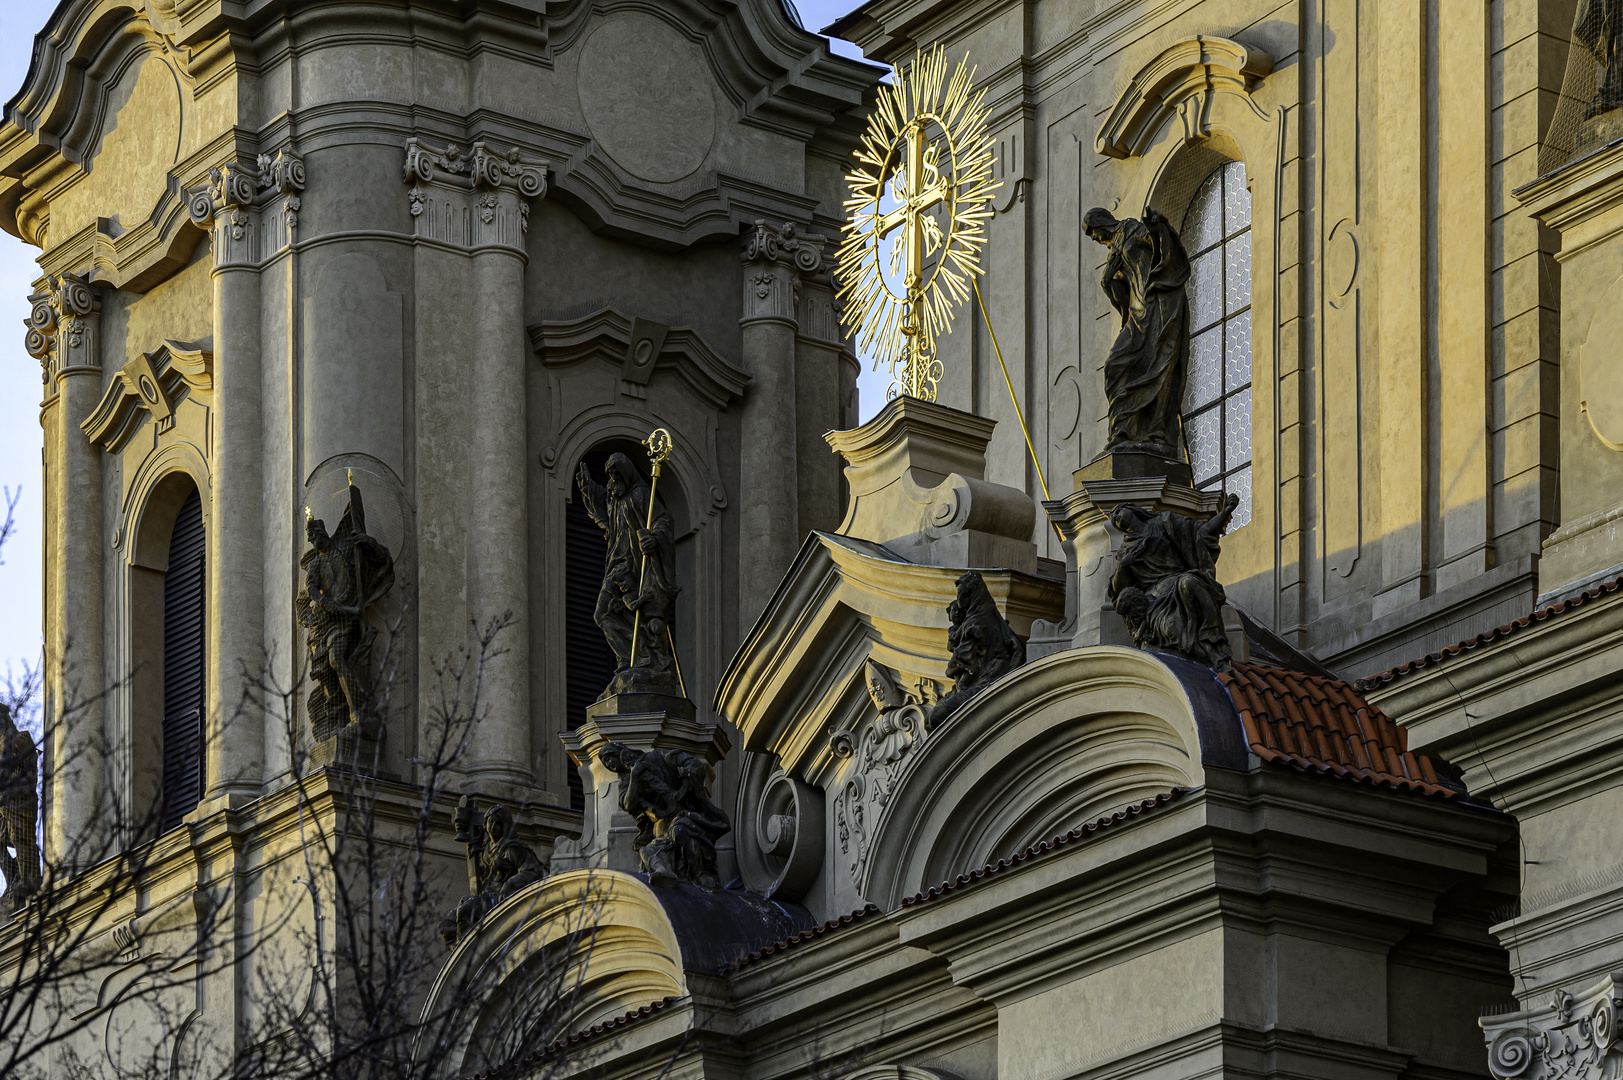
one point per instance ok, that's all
(343, 574)
(1144, 277)
(637, 598)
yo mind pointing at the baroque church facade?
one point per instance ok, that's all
(350, 316)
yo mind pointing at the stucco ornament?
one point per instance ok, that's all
(984, 646)
(499, 865)
(1570, 1037)
(19, 813)
(878, 749)
(677, 824)
(343, 575)
(638, 595)
(1165, 586)
(1144, 278)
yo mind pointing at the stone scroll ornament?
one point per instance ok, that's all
(1165, 586)
(636, 601)
(1144, 277)
(499, 865)
(342, 575)
(677, 824)
(19, 813)
(984, 646)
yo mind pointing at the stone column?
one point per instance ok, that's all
(63, 332)
(498, 495)
(768, 502)
(235, 732)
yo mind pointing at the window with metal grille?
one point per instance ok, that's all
(1216, 233)
(184, 614)
(588, 660)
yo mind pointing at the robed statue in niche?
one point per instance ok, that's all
(637, 598)
(1144, 277)
(343, 574)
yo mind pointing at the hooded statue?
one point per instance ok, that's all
(639, 577)
(19, 813)
(1144, 374)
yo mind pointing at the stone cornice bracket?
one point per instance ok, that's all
(1570, 1037)
(775, 261)
(61, 323)
(1182, 81)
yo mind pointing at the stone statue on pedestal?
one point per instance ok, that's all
(499, 865)
(984, 647)
(19, 813)
(344, 574)
(677, 824)
(1144, 374)
(638, 594)
(1165, 586)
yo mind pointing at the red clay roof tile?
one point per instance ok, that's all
(1549, 611)
(1321, 725)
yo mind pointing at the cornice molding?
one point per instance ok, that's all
(1182, 82)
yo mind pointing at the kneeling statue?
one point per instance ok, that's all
(1165, 586)
(677, 824)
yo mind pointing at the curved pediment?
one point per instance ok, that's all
(573, 950)
(643, 348)
(1181, 81)
(1051, 747)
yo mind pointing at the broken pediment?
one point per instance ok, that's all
(643, 348)
(1181, 81)
(150, 384)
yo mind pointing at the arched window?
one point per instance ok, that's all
(184, 700)
(1216, 233)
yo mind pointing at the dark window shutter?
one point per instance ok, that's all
(184, 614)
(588, 658)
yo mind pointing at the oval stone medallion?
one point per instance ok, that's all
(646, 94)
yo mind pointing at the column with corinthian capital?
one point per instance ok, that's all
(64, 334)
(498, 189)
(235, 732)
(768, 504)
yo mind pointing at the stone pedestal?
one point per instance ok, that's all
(356, 748)
(1584, 202)
(642, 722)
(917, 477)
(1090, 544)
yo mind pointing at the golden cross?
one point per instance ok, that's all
(919, 187)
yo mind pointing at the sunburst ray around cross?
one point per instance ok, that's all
(920, 196)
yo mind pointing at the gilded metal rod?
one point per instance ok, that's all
(1018, 413)
(642, 575)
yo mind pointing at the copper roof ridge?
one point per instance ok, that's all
(1548, 611)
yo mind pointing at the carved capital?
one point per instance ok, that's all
(226, 204)
(471, 199)
(785, 244)
(1569, 1037)
(775, 260)
(61, 323)
(493, 171)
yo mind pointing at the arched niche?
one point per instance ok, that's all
(577, 949)
(162, 494)
(1199, 101)
(1055, 745)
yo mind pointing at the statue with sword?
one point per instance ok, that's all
(637, 599)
